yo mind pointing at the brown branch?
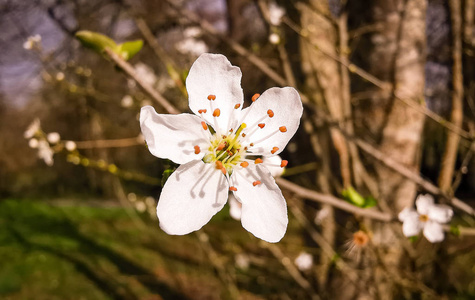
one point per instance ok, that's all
(456, 116)
(129, 70)
(336, 202)
(115, 143)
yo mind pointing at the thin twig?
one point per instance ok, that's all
(129, 70)
(115, 143)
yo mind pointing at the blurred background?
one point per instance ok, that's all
(389, 113)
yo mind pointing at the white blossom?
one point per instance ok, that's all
(33, 143)
(304, 261)
(45, 152)
(242, 261)
(53, 137)
(217, 149)
(145, 73)
(70, 145)
(32, 41)
(127, 101)
(32, 129)
(275, 14)
(428, 218)
(274, 38)
(191, 46)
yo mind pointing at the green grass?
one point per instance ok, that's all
(82, 252)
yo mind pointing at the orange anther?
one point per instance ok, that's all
(274, 150)
(283, 129)
(244, 164)
(254, 98)
(221, 146)
(258, 161)
(261, 125)
(283, 163)
(233, 188)
(203, 124)
(237, 106)
(257, 182)
(251, 144)
(197, 149)
(202, 111)
(216, 112)
(211, 97)
(243, 135)
(270, 113)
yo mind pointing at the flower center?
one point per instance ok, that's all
(423, 218)
(226, 150)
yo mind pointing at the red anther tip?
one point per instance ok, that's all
(233, 188)
(270, 113)
(211, 97)
(244, 164)
(261, 125)
(254, 98)
(237, 106)
(257, 182)
(216, 112)
(202, 111)
(197, 150)
(283, 163)
(283, 129)
(203, 124)
(258, 161)
(274, 150)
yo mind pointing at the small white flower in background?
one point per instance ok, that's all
(242, 261)
(53, 137)
(218, 149)
(304, 261)
(32, 41)
(191, 44)
(127, 101)
(428, 218)
(32, 129)
(274, 38)
(33, 143)
(321, 215)
(145, 73)
(70, 146)
(132, 197)
(275, 14)
(45, 152)
(59, 76)
(140, 206)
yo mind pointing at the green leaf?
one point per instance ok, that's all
(166, 174)
(413, 239)
(455, 230)
(370, 202)
(352, 196)
(96, 41)
(127, 50)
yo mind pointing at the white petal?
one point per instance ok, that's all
(272, 163)
(405, 213)
(193, 194)
(433, 232)
(423, 202)
(411, 225)
(287, 109)
(173, 136)
(440, 213)
(264, 211)
(235, 207)
(213, 74)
